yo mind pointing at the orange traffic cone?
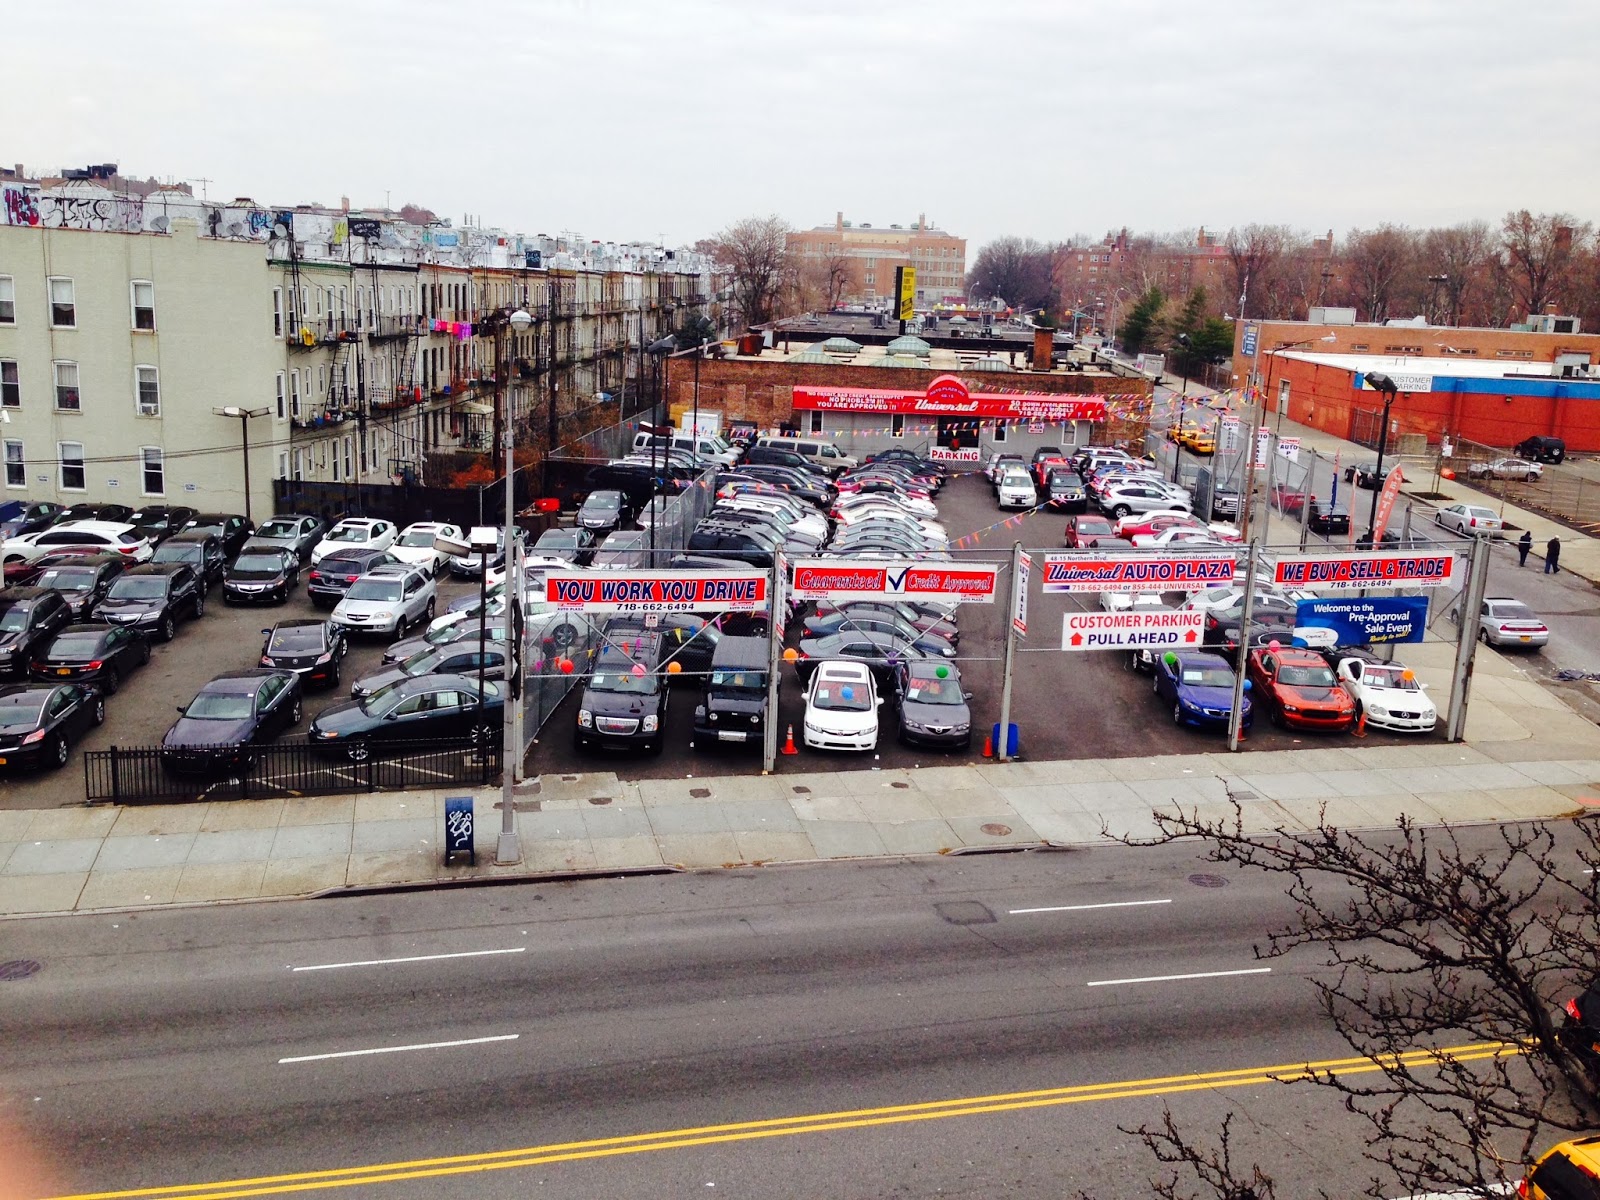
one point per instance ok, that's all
(788, 742)
(1361, 721)
(988, 745)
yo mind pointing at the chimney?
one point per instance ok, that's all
(922, 222)
(344, 203)
(838, 222)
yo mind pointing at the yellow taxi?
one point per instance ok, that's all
(1567, 1171)
(1203, 442)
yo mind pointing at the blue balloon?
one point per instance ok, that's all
(847, 693)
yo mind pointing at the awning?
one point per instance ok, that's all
(475, 408)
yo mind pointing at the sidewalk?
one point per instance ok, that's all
(1527, 756)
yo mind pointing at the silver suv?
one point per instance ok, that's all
(1140, 496)
(389, 599)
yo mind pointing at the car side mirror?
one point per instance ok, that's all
(265, 632)
(880, 701)
(178, 707)
(966, 695)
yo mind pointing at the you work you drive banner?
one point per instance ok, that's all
(1123, 572)
(1364, 570)
(658, 591)
(836, 579)
(1368, 621)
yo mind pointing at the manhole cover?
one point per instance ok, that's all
(899, 783)
(699, 793)
(599, 800)
(995, 829)
(1208, 880)
(965, 912)
(569, 779)
(801, 791)
(19, 968)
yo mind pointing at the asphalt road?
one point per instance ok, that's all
(181, 1047)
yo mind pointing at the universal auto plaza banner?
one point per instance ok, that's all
(958, 425)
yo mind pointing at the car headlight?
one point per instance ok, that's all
(385, 615)
(585, 718)
(916, 726)
(713, 716)
(326, 658)
(1290, 708)
(963, 727)
(650, 724)
(1374, 710)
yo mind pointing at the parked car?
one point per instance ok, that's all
(443, 635)
(417, 544)
(624, 700)
(456, 658)
(295, 532)
(1299, 690)
(111, 536)
(1199, 686)
(998, 462)
(40, 721)
(1364, 475)
(231, 529)
(82, 579)
(604, 510)
(1506, 622)
(1388, 693)
(1064, 490)
(1569, 1170)
(327, 582)
(574, 545)
(30, 618)
(881, 653)
(931, 705)
(312, 649)
(95, 654)
(202, 552)
(733, 695)
(472, 566)
(73, 514)
(261, 575)
(1015, 489)
(1469, 520)
(154, 597)
(228, 716)
(1542, 449)
(1506, 468)
(1090, 530)
(428, 708)
(1328, 518)
(365, 533)
(27, 516)
(158, 522)
(842, 705)
(390, 600)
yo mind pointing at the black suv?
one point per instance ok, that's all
(231, 528)
(82, 579)
(30, 618)
(153, 597)
(200, 551)
(1542, 449)
(733, 702)
(621, 706)
(327, 582)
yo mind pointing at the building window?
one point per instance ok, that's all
(294, 393)
(277, 312)
(16, 465)
(299, 464)
(72, 472)
(281, 395)
(335, 441)
(816, 421)
(10, 385)
(63, 309)
(154, 478)
(897, 425)
(147, 392)
(999, 432)
(349, 448)
(8, 301)
(67, 386)
(144, 305)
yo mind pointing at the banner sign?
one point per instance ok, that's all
(657, 591)
(905, 290)
(1230, 435)
(1368, 621)
(1386, 499)
(1263, 446)
(1019, 609)
(1136, 572)
(955, 454)
(1370, 570)
(837, 579)
(1247, 344)
(1289, 448)
(948, 396)
(1140, 630)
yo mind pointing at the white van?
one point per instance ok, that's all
(826, 455)
(706, 445)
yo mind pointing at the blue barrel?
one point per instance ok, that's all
(1013, 739)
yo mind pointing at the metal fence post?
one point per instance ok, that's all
(1236, 713)
(1002, 751)
(1468, 607)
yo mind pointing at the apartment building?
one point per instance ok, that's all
(866, 256)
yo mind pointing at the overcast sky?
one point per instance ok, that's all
(636, 120)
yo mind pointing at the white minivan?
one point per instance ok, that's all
(706, 445)
(825, 454)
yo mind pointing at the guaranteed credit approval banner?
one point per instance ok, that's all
(1097, 572)
(849, 579)
(1365, 570)
(657, 591)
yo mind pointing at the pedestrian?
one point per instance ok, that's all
(1524, 544)
(1552, 556)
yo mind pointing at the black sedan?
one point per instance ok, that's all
(1363, 475)
(40, 721)
(933, 708)
(101, 654)
(931, 644)
(574, 545)
(158, 522)
(1326, 518)
(428, 708)
(311, 649)
(117, 513)
(81, 579)
(230, 528)
(604, 510)
(235, 711)
(881, 653)
(261, 575)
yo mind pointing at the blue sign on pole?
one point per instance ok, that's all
(1248, 346)
(458, 829)
(1369, 621)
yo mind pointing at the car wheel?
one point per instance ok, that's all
(169, 628)
(333, 675)
(110, 681)
(432, 607)
(1277, 716)
(358, 752)
(98, 713)
(1177, 714)
(1120, 511)
(294, 713)
(57, 754)
(1483, 636)
(144, 655)
(1155, 684)
(199, 606)
(1531, 477)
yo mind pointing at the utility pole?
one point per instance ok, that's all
(1468, 607)
(1236, 713)
(1002, 752)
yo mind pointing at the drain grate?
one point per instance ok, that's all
(700, 793)
(899, 783)
(1212, 881)
(801, 791)
(599, 801)
(19, 968)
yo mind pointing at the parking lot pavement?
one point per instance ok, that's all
(1067, 706)
(227, 638)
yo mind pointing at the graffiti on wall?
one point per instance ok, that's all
(21, 206)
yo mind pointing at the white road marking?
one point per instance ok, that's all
(1017, 912)
(1170, 978)
(504, 1037)
(384, 962)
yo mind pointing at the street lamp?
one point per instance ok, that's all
(1183, 392)
(244, 415)
(1380, 383)
(507, 850)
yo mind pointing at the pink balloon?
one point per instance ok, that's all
(1274, 645)
(638, 670)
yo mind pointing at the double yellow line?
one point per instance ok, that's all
(860, 1118)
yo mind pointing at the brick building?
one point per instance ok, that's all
(867, 256)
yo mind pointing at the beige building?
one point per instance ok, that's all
(856, 262)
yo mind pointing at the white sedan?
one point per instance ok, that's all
(1388, 693)
(914, 505)
(366, 533)
(1469, 520)
(841, 707)
(1122, 602)
(416, 544)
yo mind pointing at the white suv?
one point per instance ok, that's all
(389, 599)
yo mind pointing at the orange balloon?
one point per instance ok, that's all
(674, 667)
(790, 654)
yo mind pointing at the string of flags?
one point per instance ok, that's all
(460, 330)
(1004, 523)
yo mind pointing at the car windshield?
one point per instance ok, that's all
(1016, 477)
(349, 533)
(1479, 514)
(258, 562)
(421, 538)
(139, 587)
(1515, 611)
(22, 712)
(220, 706)
(604, 501)
(557, 539)
(1217, 677)
(1390, 677)
(374, 589)
(741, 680)
(422, 661)
(279, 529)
(1306, 676)
(178, 553)
(623, 681)
(296, 639)
(842, 696)
(921, 690)
(1094, 528)
(66, 580)
(76, 646)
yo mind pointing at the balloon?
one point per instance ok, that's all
(1408, 674)
(565, 664)
(638, 670)
(1170, 659)
(674, 667)
(847, 692)
(1274, 645)
(942, 672)
(790, 654)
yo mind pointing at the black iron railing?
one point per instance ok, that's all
(141, 774)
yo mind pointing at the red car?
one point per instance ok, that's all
(1300, 690)
(1090, 529)
(1042, 469)
(1155, 522)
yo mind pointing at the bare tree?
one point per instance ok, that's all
(1016, 269)
(1538, 252)
(1253, 250)
(755, 254)
(1456, 259)
(1377, 263)
(1448, 968)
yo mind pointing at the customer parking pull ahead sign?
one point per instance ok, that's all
(1131, 630)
